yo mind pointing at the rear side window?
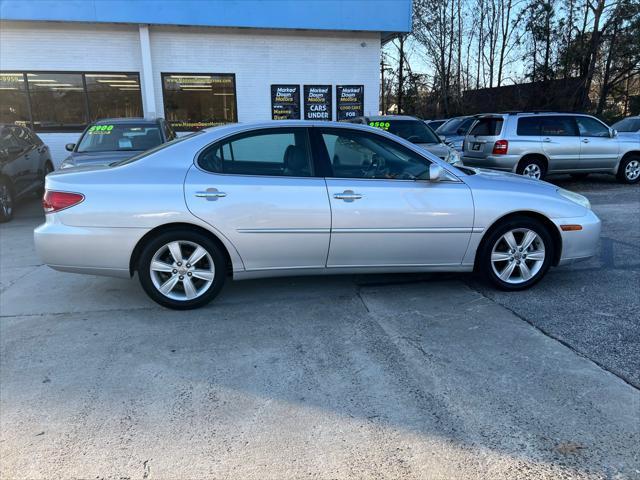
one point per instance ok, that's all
(559, 126)
(529, 126)
(490, 127)
(272, 152)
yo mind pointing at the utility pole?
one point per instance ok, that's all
(401, 74)
(384, 111)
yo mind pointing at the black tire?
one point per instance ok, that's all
(625, 174)
(187, 237)
(486, 249)
(47, 169)
(7, 200)
(527, 163)
(579, 175)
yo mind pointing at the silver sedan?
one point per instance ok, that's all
(300, 198)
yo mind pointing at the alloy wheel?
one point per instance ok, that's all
(632, 170)
(6, 201)
(532, 170)
(182, 270)
(518, 256)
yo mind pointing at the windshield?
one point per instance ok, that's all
(414, 131)
(456, 126)
(117, 138)
(627, 125)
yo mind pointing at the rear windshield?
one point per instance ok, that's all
(414, 131)
(117, 138)
(162, 146)
(456, 126)
(487, 127)
(627, 125)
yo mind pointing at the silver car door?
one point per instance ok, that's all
(382, 215)
(257, 189)
(560, 142)
(598, 150)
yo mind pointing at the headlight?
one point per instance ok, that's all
(575, 198)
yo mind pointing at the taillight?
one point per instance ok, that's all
(500, 147)
(55, 201)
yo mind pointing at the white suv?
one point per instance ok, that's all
(536, 144)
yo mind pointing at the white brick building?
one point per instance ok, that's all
(222, 68)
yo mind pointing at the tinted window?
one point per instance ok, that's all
(361, 155)
(275, 152)
(487, 127)
(414, 131)
(456, 126)
(113, 95)
(590, 127)
(193, 102)
(529, 126)
(108, 138)
(559, 126)
(625, 125)
(13, 98)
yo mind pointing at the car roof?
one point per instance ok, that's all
(377, 118)
(126, 120)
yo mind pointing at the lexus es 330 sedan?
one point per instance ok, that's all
(298, 198)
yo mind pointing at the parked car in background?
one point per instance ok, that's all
(113, 139)
(454, 130)
(413, 130)
(301, 198)
(536, 144)
(24, 163)
(629, 126)
(434, 124)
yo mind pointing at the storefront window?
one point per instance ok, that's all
(113, 95)
(58, 101)
(14, 107)
(196, 101)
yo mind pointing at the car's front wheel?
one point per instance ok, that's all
(517, 254)
(182, 269)
(6, 200)
(629, 170)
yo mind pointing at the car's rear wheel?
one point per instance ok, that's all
(532, 168)
(182, 269)
(629, 170)
(517, 254)
(7, 200)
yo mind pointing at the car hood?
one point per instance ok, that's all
(97, 158)
(510, 180)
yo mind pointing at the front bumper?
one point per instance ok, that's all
(92, 250)
(582, 244)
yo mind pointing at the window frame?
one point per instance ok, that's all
(323, 162)
(248, 133)
(87, 109)
(221, 74)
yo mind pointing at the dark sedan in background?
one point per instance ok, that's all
(24, 162)
(113, 139)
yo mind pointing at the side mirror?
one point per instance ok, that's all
(443, 138)
(435, 172)
(613, 133)
(70, 146)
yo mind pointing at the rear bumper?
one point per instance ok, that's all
(92, 250)
(497, 162)
(582, 244)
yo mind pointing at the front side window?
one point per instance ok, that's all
(559, 126)
(193, 102)
(113, 95)
(359, 155)
(14, 107)
(590, 127)
(413, 131)
(272, 152)
(108, 138)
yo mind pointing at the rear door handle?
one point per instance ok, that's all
(211, 194)
(347, 196)
(585, 140)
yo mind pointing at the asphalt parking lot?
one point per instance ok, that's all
(386, 376)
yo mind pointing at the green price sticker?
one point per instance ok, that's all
(100, 129)
(382, 125)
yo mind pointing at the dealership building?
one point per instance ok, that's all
(197, 63)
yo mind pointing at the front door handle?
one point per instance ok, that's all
(211, 194)
(585, 140)
(347, 196)
(546, 139)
